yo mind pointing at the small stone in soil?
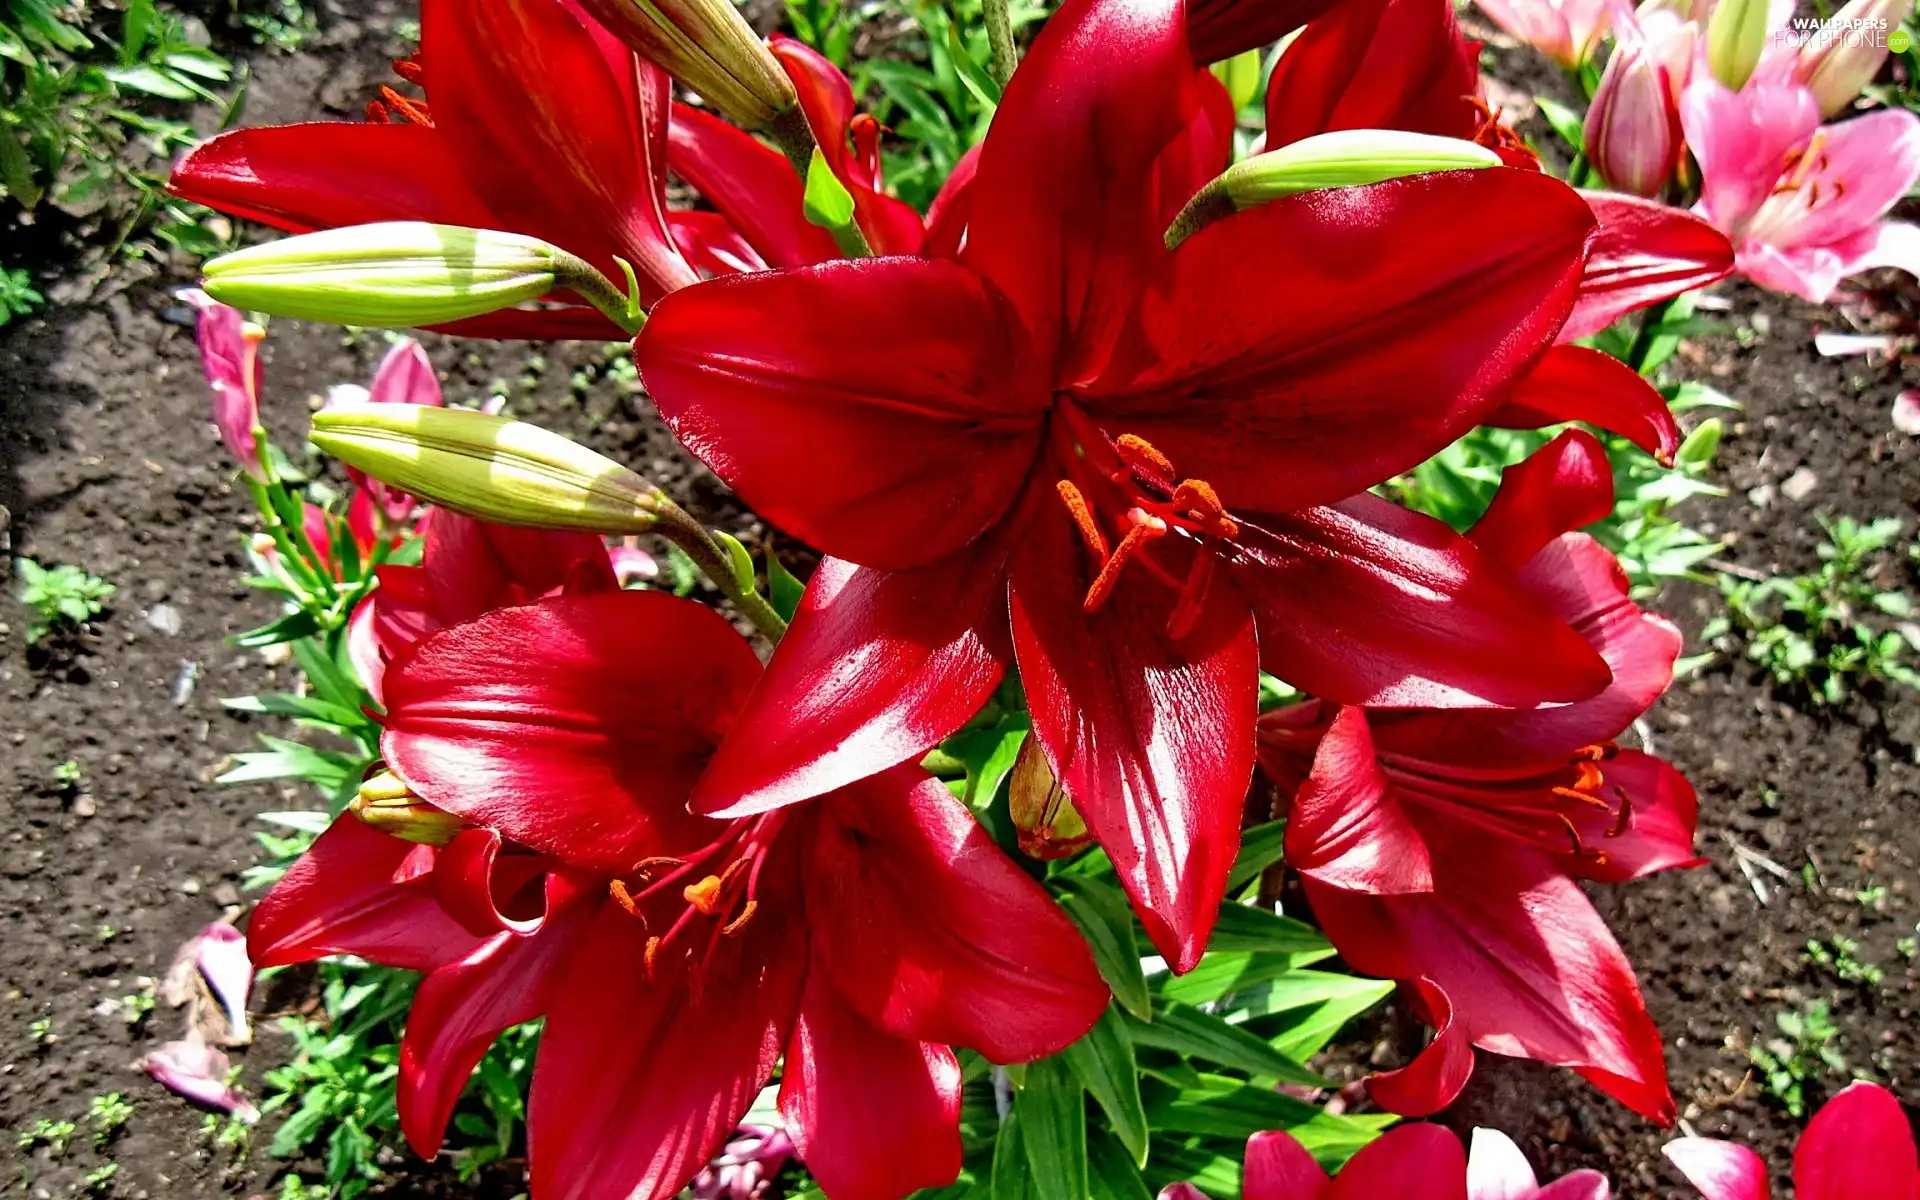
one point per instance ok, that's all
(1800, 485)
(164, 618)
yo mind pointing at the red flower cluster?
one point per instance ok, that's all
(1028, 436)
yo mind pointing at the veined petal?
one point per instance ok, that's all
(713, 245)
(1859, 1146)
(877, 668)
(1366, 602)
(473, 566)
(1565, 485)
(1720, 1170)
(1151, 735)
(357, 891)
(1376, 64)
(536, 721)
(1345, 828)
(1659, 835)
(1439, 1073)
(1573, 383)
(947, 216)
(1065, 218)
(885, 410)
(752, 184)
(1392, 319)
(1219, 29)
(932, 933)
(875, 1116)
(1741, 141)
(1496, 1170)
(1642, 253)
(324, 174)
(641, 1079)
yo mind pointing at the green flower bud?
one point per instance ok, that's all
(385, 803)
(490, 467)
(1345, 158)
(708, 46)
(1736, 36)
(394, 274)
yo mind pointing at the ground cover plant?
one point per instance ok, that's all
(1190, 665)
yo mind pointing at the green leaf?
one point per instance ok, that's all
(1246, 927)
(303, 708)
(1233, 1111)
(988, 753)
(1012, 1179)
(1053, 1128)
(296, 624)
(827, 202)
(1305, 1034)
(1570, 125)
(1195, 1034)
(325, 769)
(1260, 847)
(972, 74)
(1228, 973)
(1101, 911)
(1111, 1174)
(782, 588)
(738, 558)
(1104, 1064)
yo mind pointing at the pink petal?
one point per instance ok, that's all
(1742, 141)
(1859, 1146)
(224, 964)
(1496, 1170)
(1280, 1168)
(198, 1072)
(1411, 1162)
(1719, 1170)
(406, 377)
(1345, 828)
(1906, 411)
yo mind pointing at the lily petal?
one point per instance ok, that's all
(1376, 64)
(1439, 1073)
(1279, 1168)
(752, 184)
(1642, 253)
(1345, 829)
(1719, 1170)
(1573, 383)
(1565, 485)
(1410, 1162)
(1859, 1146)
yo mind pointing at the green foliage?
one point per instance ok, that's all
(1827, 631)
(1802, 1053)
(75, 90)
(61, 597)
(1839, 958)
(54, 1135)
(17, 294)
(285, 25)
(107, 1115)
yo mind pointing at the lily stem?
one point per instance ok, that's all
(679, 527)
(583, 280)
(999, 17)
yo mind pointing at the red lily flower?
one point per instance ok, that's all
(1219, 29)
(673, 956)
(1074, 428)
(1403, 64)
(537, 122)
(1859, 1146)
(1442, 848)
(1411, 1162)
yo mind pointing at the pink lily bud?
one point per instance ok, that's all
(1847, 52)
(197, 1071)
(1633, 129)
(746, 1167)
(230, 356)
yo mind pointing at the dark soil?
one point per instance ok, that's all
(108, 461)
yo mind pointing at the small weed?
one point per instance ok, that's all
(107, 1114)
(54, 1135)
(17, 295)
(67, 775)
(1871, 897)
(285, 25)
(1803, 1052)
(1907, 947)
(1813, 631)
(41, 1031)
(64, 597)
(227, 1132)
(137, 1006)
(292, 1187)
(100, 1179)
(1838, 959)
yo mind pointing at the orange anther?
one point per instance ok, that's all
(704, 895)
(651, 953)
(1598, 752)
(1588, 777)
(739, 922)
(1586, 798)
(1143, 459)
(1138, 535)
(1082, 514)
(409, 70)
(623, 897)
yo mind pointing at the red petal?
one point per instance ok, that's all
(1369, 603)
(947, 216)
(1151, 736)
(1573, 383)
(1280, 1168)
(1391, 319)
(459, 1010)
(887, 415)
(549, 723)
(1660, 835)
(877, 668)
(752, 184)
(874, 1116)
(826, 96)
(1859, 1146)
(574, 323)
(1413, 1162)
(342, 897)
(1376, 64)
(1643, 253)
(554, 140)
(474, 566)
(1065, 215)
(714, 246)
(1438, 1074)
(1720, 1170)
(1200, 153)
(1345, 828)
(328, 173)
(1220, 29)
(934, 934)
(641, 1080)
(1565, 485)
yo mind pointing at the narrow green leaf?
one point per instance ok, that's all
(827, 202)
(1196, 1034)
(1233, 1112)
(304, 708)
(1570, 125)
(1101, 911)
(1111, 1174)
(1260, 847)
(296, 624)
(738, 558)
(972, 74)
(1103, 1062)
(782, 588)
(1012, 1179)
(1249, 927)
(1306, 1033)
(1053, 1128)
(1228, 973)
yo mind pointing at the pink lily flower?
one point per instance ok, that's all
(1803, 203)
(1859, 1146)
(1564, 30)
(1413, 1162)
(230, 356)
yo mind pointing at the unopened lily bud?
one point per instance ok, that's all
(1847, 52)
(708, 46)
(1633, 130)
(490, 467)
(1736, 36)
(385, 803)
(390, 275)
(1048, 824)
(1344, 158)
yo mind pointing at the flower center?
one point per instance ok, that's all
(1806, 182)
(1126, 487)
(713, 891)
(1550, 818)
(393, 106)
